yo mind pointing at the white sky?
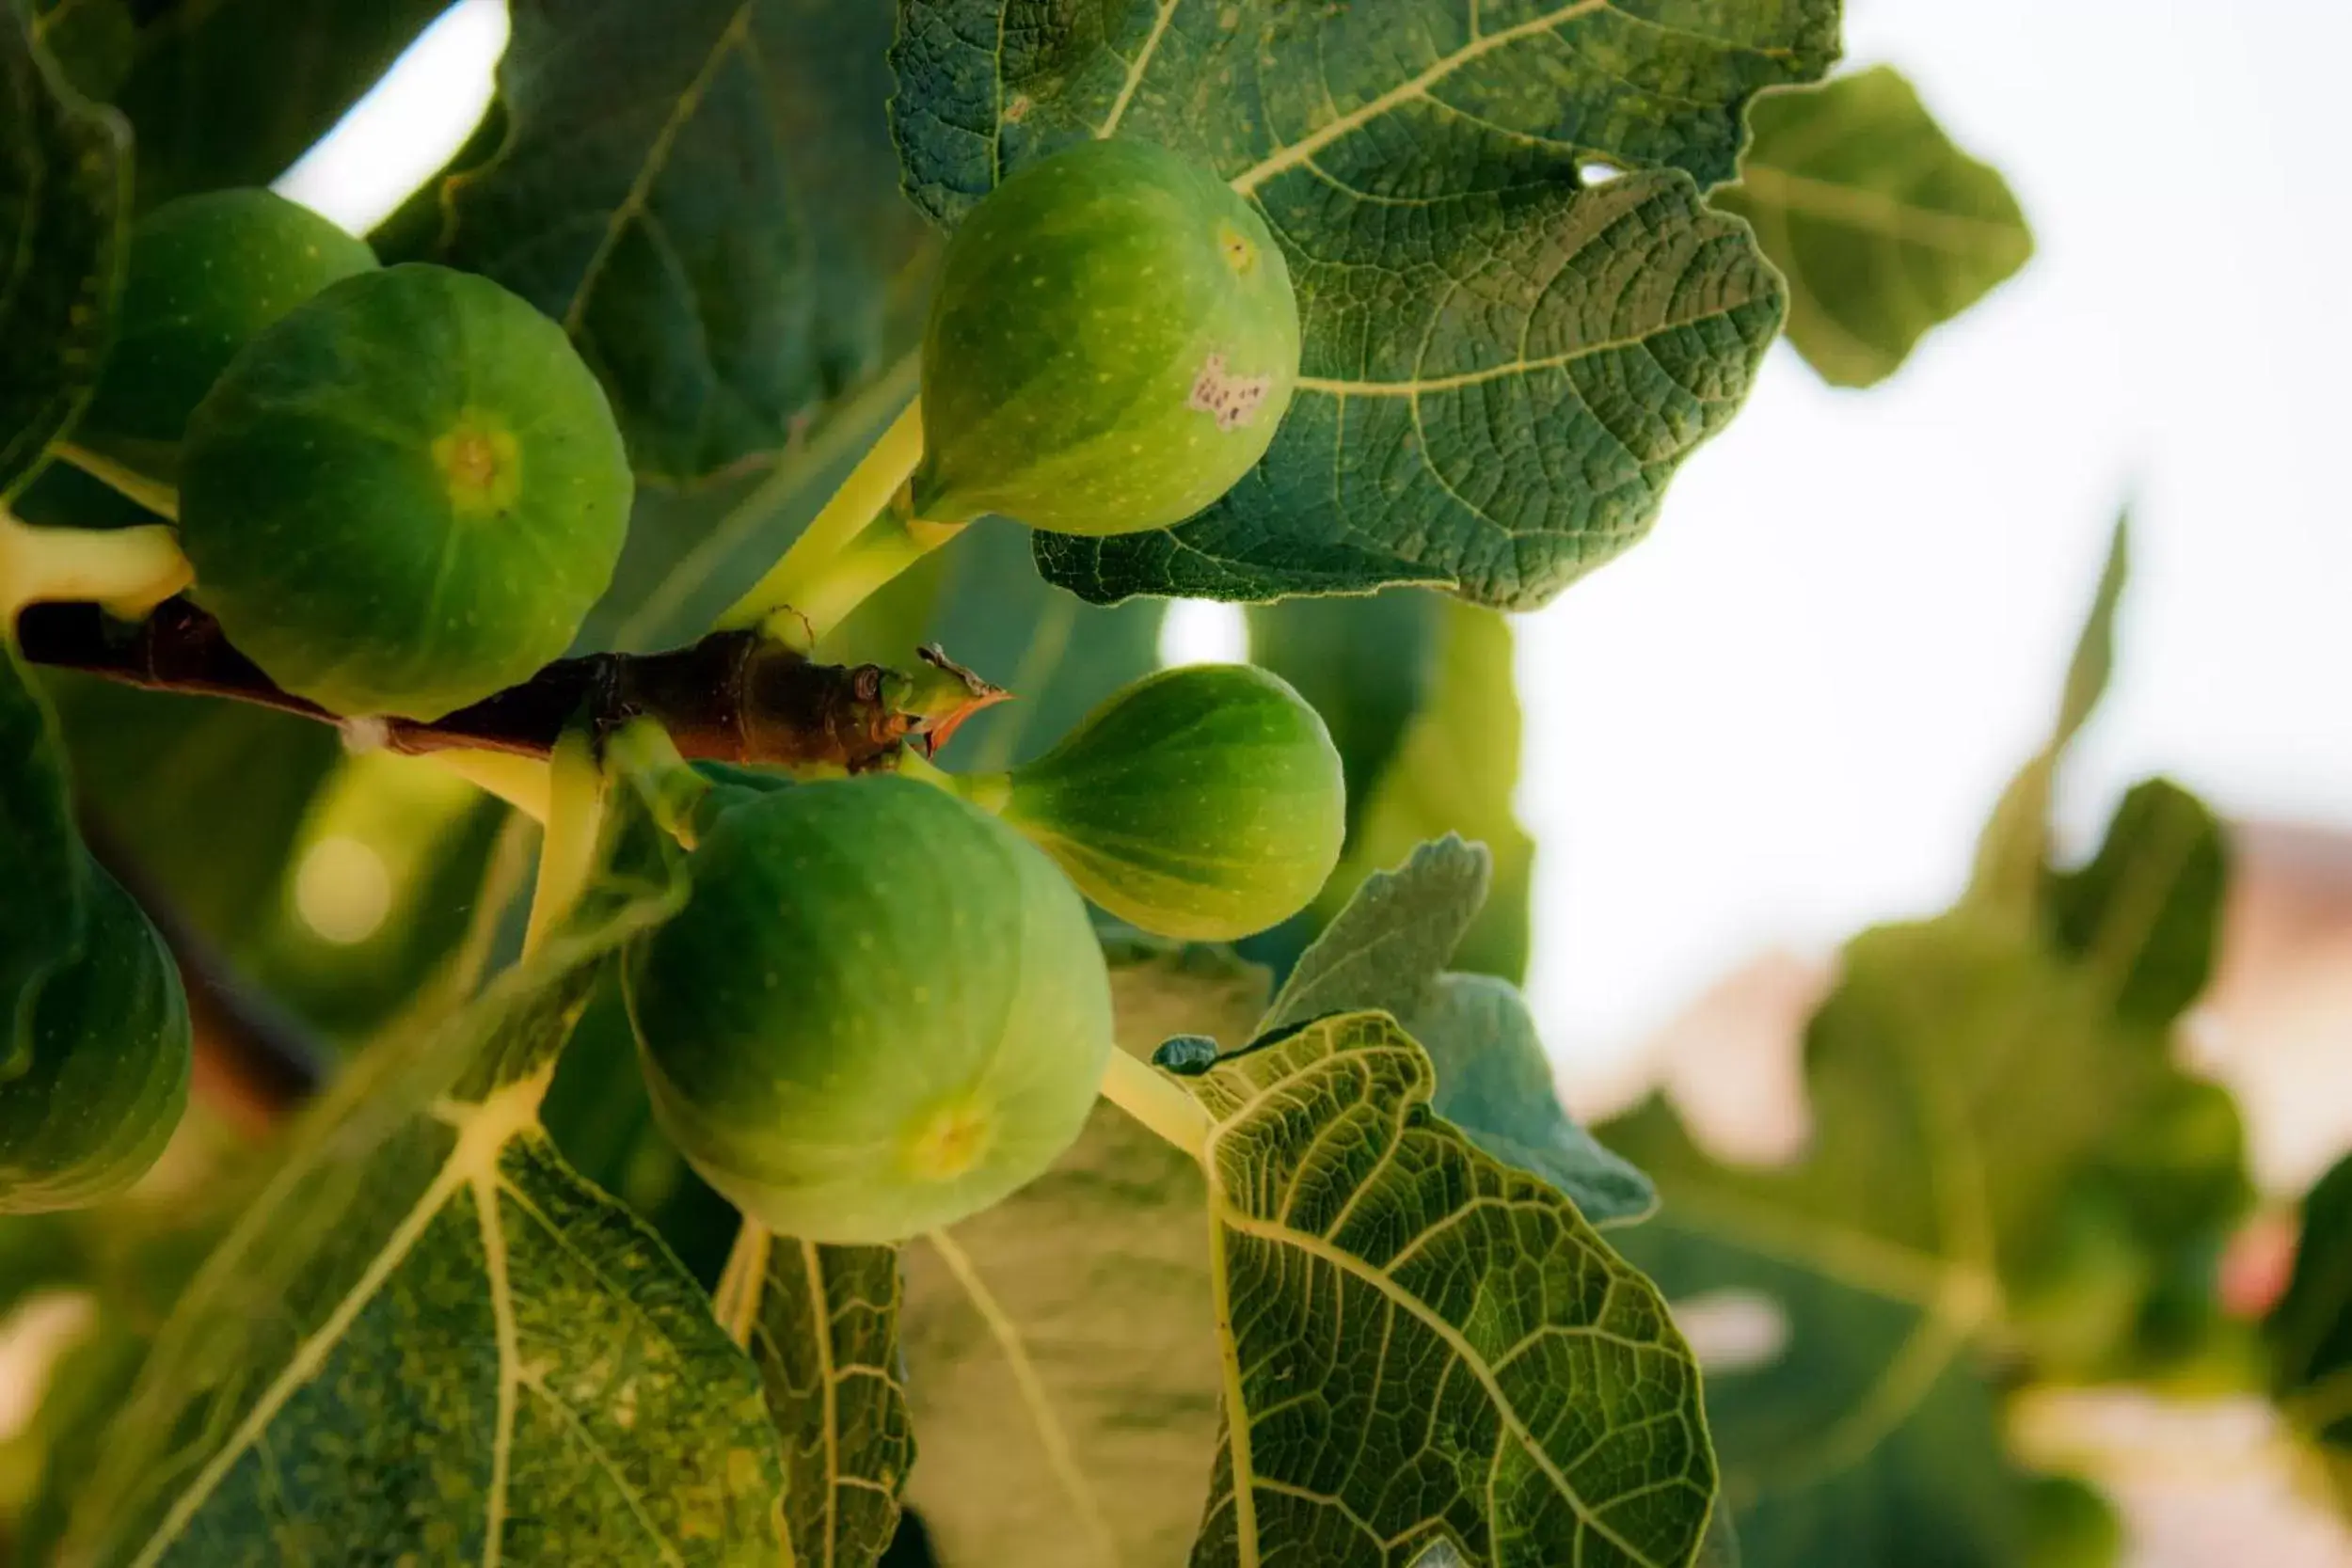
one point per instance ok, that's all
(1785, 716)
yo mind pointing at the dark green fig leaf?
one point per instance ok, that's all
(821, 1324)
(1495, 1084)
(880, 1011)
(2309, 1332)
(703, 192)
(1502, 365)
(406, 495)
(2070, 1524)
(207, 274)
(65, 197)
(465, 1352)
(1204, 802)
(232, 92)
(1423, 1345)
(1882, 227)
(94, 1038)
(2006, 1153)
(1113, 341)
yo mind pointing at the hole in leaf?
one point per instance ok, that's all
(1598, 173)
(1202, 631)
(1733, 1331)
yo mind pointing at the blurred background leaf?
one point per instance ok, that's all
(1883, 228)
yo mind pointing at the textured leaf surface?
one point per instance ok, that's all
(1502, 364)
(2004, 1152)
(702, 194)
(65, 197)
(824, 1328)
(2309, 1332)
(1060, 1358)
(1883, 228)
(431, 1336)
(1495, 1084)
(1423, 1345)
(1387, 948)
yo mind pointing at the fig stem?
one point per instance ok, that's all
(567, 848)
(1156, 1100)
(736, 1302)
(872, 490)
(884, 549)
(128, 571)
(153, 494)
(988, 791)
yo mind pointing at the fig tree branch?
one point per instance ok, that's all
(735, 696)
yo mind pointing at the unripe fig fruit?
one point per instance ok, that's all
(107, 1078)
(880, 1011)
(1205, 801)
(1113, 341)
(406, 495)
(207, 274)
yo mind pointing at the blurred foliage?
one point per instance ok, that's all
(1883, 228)
(2010, 1178)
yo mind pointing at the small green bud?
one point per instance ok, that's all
(880, 1011)
(406, 495)
(207, 275)
(1204, 802)
(1113, 342)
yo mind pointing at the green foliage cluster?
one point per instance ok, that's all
(1132, 1146)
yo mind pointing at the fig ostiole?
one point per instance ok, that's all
(1113, 340)
(86, 1111)
(404, 495)
(879, 1011)
(1205, 801)
(207, 275)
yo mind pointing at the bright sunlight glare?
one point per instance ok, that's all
(1198, 632)
(408, 124)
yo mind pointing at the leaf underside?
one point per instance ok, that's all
(825, 1341)
(702, 193)
(1503, 363)
(1423, 1345)
(65, 197)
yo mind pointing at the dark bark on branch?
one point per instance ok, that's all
(732, 697)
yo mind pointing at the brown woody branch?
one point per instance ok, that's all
(732, 697)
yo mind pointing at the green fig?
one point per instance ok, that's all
(1205, 801)
(880, 1011)
(207, 274)
(406, 495)
(101, 1077)
(1113, 341)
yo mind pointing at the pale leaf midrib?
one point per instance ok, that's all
(655, 161)
(1298, 152)
(485, 1129)
(1136, 68)
(1878, 212)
